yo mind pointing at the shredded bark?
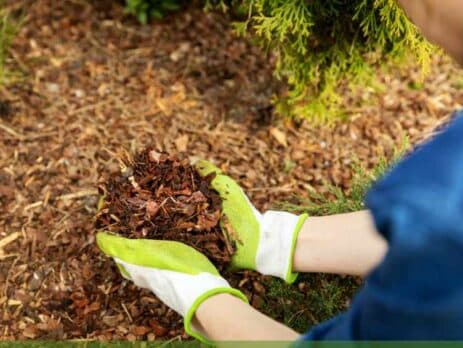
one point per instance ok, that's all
(160, 196)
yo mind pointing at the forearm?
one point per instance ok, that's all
(342, 244)
(226, 318)
(439, 21)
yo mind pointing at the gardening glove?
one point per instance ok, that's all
(264, 242)
(176, 273)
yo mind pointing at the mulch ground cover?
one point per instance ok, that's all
(160, 196)
(90, 82)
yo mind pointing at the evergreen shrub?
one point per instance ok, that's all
(325, 47)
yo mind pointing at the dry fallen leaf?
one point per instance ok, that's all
(140, 330)
(30, 332)
(279, 136)
(158, 329)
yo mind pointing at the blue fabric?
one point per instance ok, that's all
(416, 293)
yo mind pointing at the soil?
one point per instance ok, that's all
(5, 109)
(159, 196)
(94, 81)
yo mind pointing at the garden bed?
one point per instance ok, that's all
(92, 82)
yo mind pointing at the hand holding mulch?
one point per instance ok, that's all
(185, 224)
(158, 196)
(165, 201)
(264, 242)
(176, 273)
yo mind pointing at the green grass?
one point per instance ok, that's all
(458, 83)
(8, 29)
(146, 9)
(324, 296)
(317, 297)
(336, 201)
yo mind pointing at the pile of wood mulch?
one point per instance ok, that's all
(159, 196)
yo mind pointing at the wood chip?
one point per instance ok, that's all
(279, 136)
(182, 143)
(9, 239)
(170, 201)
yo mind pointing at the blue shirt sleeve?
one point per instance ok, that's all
(416, 293)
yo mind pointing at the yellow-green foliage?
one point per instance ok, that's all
(322, 43)
(145, 9)
(8, 30)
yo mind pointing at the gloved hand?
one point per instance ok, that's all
(178, 274)
(265, 242)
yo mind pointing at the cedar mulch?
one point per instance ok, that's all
(160, 196)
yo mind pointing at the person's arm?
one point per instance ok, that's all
(281, 244)
(342, 244)
(440, 21)
(226, 318)
(415, 294)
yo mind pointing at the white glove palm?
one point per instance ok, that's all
(179, 275)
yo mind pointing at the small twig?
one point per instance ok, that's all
(114, 217)
(127, 312)
(192, 181)
(167, 343)
(161, 206)
(88, 107)
(7, 256)
(22, 66)
(194, 131)
(66, 316)
(286, 188)
(65, 197)
(228, 243)
(172, 199)
(9, 239)
(8, 277)
(80, 194)
(227, 231)
(38, 136)
(33, 205)
(11, 131)
(295, 315)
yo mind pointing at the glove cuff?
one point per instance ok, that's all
(189, 329)
(278, 236)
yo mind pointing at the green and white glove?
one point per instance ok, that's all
(266, 242)
(178, 274)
